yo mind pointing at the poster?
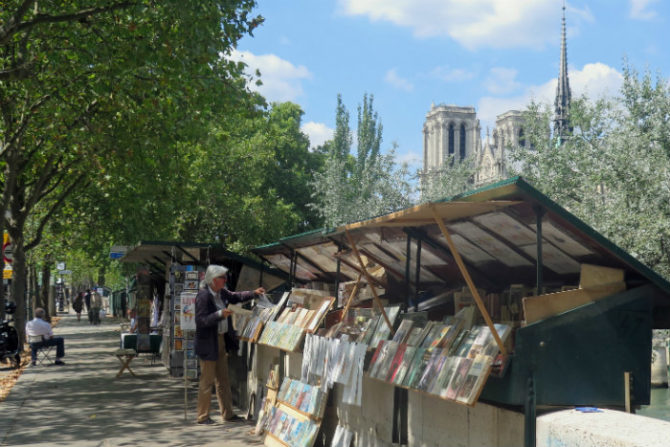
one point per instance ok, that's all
(187, 320)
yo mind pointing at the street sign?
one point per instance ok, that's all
(65, 272)
(8, 273)
(8, 251)
(60, 266)
(117, 251)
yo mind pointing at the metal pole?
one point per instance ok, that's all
(407, 267)
(539, 212)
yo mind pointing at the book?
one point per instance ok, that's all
(431, 334)
(395, 363)
(407, 359)
(385, 364)
(435, 371)
(320, 312)
(440, 335)
(418, 364)
(403, 331)
(443, 377)
(375, 361)
(458, 377)
(382, 331)
(457, 342)
(429, 370)
(475, 379)
(468, 341)
(413, 336)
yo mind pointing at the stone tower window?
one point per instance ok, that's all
(462, 142)
(522, 138)
(451, 138)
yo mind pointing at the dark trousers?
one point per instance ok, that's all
(58, 342)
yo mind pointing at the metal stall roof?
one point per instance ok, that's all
(159, 254)
(493, 228)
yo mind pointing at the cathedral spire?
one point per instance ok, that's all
(562, 104)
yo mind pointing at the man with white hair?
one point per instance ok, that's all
(40, 334)
(211, 323)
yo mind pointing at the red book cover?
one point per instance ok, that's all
(395, 363)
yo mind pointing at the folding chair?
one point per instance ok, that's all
(36, 343)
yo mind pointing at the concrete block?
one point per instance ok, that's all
(606, 428)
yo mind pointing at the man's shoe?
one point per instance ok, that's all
(235, 418)
(59, 362)
(207, 421)
(33, 363)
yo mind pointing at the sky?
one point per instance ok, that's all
(494, 55)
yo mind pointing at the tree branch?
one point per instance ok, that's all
(45, 219)
(15, 25)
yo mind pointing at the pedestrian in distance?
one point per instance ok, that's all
(211, 323)
(96, 305)
(87, 300)
(78, 304)
(40, 334)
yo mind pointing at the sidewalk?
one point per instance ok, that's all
(84, 404)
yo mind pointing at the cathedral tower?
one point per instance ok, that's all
(562, 103)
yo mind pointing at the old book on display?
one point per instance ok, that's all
(475, 379)
(374, 361)
(435, 368)
(458, 341)
(407, 359)
(384, 352)
(319, 313)
(443, 376)
(403, 331)
(383, 331)
(440, 336)
(458, 378)
(429, 370)
(416, 368)
(385, 365)
(413, 338)
(432, 334)
(395, 362)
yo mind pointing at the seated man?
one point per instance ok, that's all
(38, 328)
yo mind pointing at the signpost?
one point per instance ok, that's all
(118, 251)
(7, 249)
(8, 254)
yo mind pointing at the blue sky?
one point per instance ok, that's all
(494, 55)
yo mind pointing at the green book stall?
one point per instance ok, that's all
(465, 318)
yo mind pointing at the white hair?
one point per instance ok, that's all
(214, 271)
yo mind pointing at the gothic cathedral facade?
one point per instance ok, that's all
(454, 132)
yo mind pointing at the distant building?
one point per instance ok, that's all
(455, 130)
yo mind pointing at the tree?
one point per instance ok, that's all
(92, 84)
(612, 172)
(454, 177)
(353, 188)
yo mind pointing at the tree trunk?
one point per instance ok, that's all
(19, 285)
(45, 289)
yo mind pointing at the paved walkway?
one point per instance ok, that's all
(84, 404)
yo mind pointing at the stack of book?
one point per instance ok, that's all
(295, 420)
(290, 430)
(443, 361)
(302, 397)
(281, 335)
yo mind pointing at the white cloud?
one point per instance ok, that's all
(413, 159)
(501, 81)
(282, 81)
(639, 9)
(595, 80)
(318, 133)
(474, 24)
(398, 82)
(448, 74)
